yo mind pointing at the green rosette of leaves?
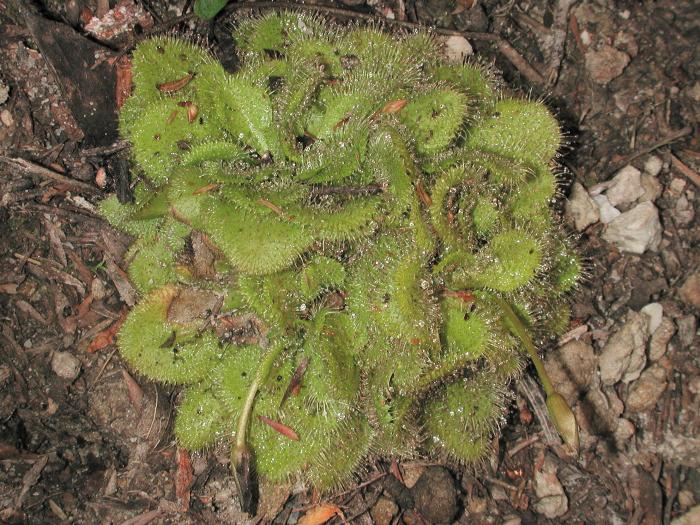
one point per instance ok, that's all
(373, 223)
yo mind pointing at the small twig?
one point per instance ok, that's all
(685, 170)
(104, 151)
(519, 62)
(673, 137)
(26, 167)
(374, 479)
(523, 444)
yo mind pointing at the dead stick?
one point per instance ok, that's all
(685, 170)
(104, 151)
(26, 167)
(673, 137)
(520, 63)
(523, 444)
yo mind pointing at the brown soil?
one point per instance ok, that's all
(83, 439)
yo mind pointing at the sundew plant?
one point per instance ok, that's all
(377, 233)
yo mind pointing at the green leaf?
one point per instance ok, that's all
(208, 9)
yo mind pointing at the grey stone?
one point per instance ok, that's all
(636, 230)
(65, 365)
(625, 187)
(646, 391)
(581, 208)
(624, 354)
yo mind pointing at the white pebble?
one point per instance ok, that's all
(655, 312)
(653, 165)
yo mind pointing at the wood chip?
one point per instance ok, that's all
(184, 479)
(30, 478)
(121, 281)
(320, 514)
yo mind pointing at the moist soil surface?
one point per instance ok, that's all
(85, 439)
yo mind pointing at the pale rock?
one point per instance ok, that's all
(636, 230)
(606, 210)
(652, 188)
(646, 391)
(625, 186)
(659, 340)
(6, 118)
(624, 356)
(552, 501)
(655, 312)
(587, 40)
(605, 64)
(65, 365)
(581, 208)
(683, 212)
(692, 517)
(677, 186)
(571, 369)
(653, 165)
(457, 48)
